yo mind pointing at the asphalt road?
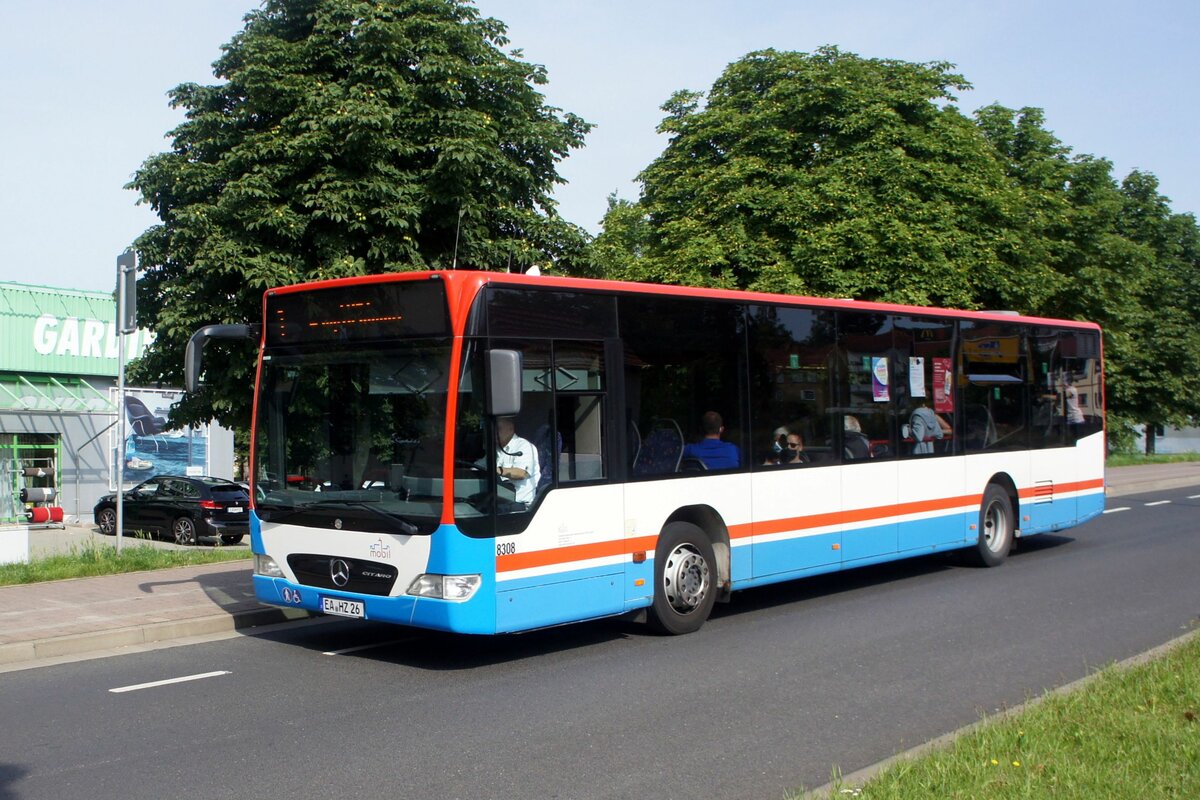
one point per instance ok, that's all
(778, 688)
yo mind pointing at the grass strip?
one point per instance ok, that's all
(1130, 733)
(1134, 459)
(91, 561)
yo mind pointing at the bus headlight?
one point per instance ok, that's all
(266, 566)
(457, 588)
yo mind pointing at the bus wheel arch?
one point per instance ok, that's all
(687, 575)
(710, 522)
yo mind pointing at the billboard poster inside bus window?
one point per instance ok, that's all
(943, 386)
(879, 379)
(916, 376)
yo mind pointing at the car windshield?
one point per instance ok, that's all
(353, 435)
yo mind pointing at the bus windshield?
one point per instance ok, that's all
(353, 437)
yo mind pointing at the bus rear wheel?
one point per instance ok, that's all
(996, 528)
(685, 579)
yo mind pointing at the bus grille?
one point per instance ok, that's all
(366, 577)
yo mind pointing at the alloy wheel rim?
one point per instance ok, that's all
(686, 578)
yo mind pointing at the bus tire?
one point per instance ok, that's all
(996, 527)
(685, 579)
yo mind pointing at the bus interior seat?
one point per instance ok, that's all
(547, 463)
(661, 450)
(856, 446)
(980, 428)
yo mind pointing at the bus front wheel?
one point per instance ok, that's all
(685, 579)
(996, 527)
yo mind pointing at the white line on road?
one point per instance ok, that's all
(345, 650)
(1158, 503)
(169, 681)
(1193, 497)
(1115, 510)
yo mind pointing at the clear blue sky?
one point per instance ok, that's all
(83, 91)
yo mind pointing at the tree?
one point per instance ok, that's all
(1164, 375)
(834, 175)
(831, 174)
(348, 137)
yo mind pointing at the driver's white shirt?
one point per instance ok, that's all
(520, 453)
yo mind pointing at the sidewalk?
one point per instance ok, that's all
(1151, 477)
(72, 617)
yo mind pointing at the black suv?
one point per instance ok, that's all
(185, 509)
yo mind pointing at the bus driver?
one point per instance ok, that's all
(516, 460)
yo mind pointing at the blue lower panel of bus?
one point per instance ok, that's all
(811, 555)
(581, 594)
(1048, 516)
(474, 616)
(1089, 505)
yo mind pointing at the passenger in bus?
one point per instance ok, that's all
(791, 448)
(778, 446)
(1074, 412)
(924, 426)
(854, 444)
(711, 450)
(516, 460)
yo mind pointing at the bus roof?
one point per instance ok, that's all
(464, 285)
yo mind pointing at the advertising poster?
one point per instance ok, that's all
(879, 379)
(943, 386)
(150, 448)
(916, 376)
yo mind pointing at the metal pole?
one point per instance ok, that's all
(120, 403)
(126, 305)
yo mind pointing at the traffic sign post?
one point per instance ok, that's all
(126, 323)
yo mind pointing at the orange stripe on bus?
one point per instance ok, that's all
(577, 552)
(584, 552)
(1063, 488)
(861, 515)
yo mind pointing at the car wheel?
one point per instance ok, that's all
(234, 539)
(685, 579)
(996, 528)
(107, 521)
(184, 531)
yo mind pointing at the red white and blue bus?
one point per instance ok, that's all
(485, 453)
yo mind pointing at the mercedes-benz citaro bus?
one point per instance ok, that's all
(482, 453)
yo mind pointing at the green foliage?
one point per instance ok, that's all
(347, 138)
(833, 175)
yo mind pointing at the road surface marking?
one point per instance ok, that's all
(1158, 503)
(169, 681)
(1193, 497)
(1115, 510)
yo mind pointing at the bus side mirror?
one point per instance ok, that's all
(195, 347)
(504, 382)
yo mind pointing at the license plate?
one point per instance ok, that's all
(342, 608)
(234, 509)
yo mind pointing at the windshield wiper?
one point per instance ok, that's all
(405, 526)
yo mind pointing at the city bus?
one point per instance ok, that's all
(487, 453)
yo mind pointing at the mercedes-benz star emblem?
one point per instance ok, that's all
(340, 572)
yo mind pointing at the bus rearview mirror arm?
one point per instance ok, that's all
(195, 348)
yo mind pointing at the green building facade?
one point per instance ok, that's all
(59, 360)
